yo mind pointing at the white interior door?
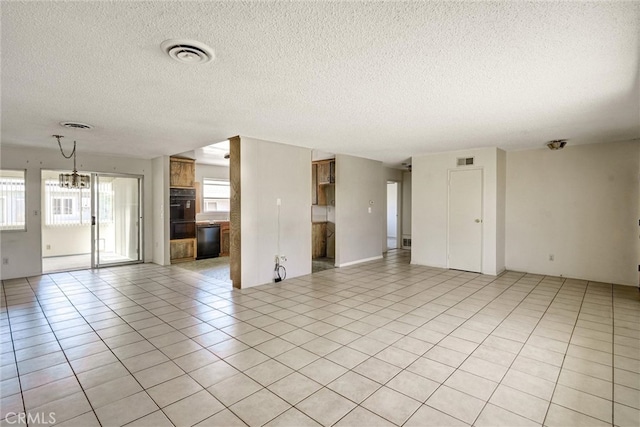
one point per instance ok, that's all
(465, 220)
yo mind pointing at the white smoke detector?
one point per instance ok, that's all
(187, 51)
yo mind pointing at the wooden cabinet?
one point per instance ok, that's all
(182, 250)
(225, 241)
(318, 240)
(323, 176)
(326, 171)
(182, 172)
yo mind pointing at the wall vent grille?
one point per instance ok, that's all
(465, 161)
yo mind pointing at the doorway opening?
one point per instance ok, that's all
(93, 227)
(393, 223)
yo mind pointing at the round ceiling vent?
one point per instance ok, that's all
(188, 51)
(76, 125)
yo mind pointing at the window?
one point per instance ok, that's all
(215, 195)
(72, 207)
(12, 200)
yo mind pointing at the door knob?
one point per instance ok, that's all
(477, 220)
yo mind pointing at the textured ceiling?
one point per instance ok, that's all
(378, 80)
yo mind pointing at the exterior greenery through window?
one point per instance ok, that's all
(12, 200)
(215, 195)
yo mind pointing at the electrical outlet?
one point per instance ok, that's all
(48, 247)
(283, 258)
(5, 261)
(551, 257)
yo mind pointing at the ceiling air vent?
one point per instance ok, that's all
(76, 125)
(465, 161)
(187, 51)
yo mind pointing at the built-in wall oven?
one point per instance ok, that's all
(182, 213)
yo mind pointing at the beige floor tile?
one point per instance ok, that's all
(586, 383)
(456, 404)
(413, 385)
(224, 418)
(494, 416)
(412, 345)
(294, 388)
(274, 347)
(292, 418)
(112, 391)
(530, 384)
(213, 373)
(626, 396)
(323, 371)
(126, 410)
(87, 419)
(65, 408)
(625, 416)
(391, 405)
(584, 403)
(11, 404)
(347, 357)
(193, 409)
(195, 360)
(362, 417)
(49, 392)
(354, 387)
(246, 359)
(559, 416)
(155, 419)
(520, 403)
(234, 389)
(446, 356)
(173, 390)
(158, 374)
(377, 370)
(326, 407)
(259, 408)
(102, 375)
(474, 385)
(427, 416)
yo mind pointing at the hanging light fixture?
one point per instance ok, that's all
(74, 179)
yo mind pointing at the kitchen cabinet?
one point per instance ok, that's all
(182, 172)
(323, 178)
(326, 171)
(318, 240)
(182, 250)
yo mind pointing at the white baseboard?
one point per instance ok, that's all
(360, 261)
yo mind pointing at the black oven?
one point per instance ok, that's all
(182, 213)
(182, 230)
(182, 202)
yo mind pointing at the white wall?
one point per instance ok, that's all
(501, 206)
(23, 248)
(360, 235)
(160, 237)
(271, 171)
(66, 240)
(429, 198)
(212, 172)
(579, 204)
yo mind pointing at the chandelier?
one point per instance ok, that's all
(74, 179)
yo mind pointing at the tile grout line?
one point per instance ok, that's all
(564, 357)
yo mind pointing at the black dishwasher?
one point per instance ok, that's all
(208, 241)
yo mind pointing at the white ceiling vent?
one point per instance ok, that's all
(76, 125)
(465, 161)
(188, 51)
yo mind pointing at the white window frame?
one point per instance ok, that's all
(209, 201)
(13, 185)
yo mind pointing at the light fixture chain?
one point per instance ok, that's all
(61, 151)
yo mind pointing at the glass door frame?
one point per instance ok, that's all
(95, 220)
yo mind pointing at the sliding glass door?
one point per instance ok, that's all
(116, 219)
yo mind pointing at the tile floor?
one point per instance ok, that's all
(379, 344)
